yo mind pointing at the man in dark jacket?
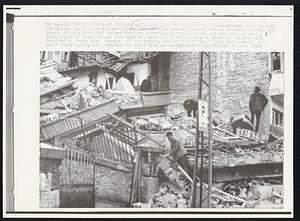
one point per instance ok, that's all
(179, 153)
(191, 106)
(257, 104)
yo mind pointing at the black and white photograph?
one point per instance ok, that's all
(161, 129)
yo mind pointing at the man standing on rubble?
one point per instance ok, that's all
(257, 104)
(178, 153)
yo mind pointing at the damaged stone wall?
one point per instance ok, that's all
(163, 71)
(49, 197)
(234, 76)
(140, 70)
(49, 183)
(184, 70)
(112, 184)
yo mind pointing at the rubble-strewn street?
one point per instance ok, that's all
(124, 140)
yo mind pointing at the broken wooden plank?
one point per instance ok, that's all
(149, 149)
(213, 188)
(58, 87)
(233, 140)
(227, 132)
(138, 130)
(59, 97)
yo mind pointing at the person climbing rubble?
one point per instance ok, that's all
(178, 153)
(257, 104)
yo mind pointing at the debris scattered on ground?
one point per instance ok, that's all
(141, 205)
(65, 95)
(174, 112)
(251, 194)
(167, 198)
(256, 192)
(256, 196)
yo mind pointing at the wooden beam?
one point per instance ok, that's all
(138, 130)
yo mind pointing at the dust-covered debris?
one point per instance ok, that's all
(256, 192)
(167, 198)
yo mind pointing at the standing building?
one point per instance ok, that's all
(234, 76)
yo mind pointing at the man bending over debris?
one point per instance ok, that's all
(191, 106)
(257, 104)
(178, 153)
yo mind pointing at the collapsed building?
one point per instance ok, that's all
(92, 106)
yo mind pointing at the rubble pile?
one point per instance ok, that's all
(174, 112)
(123, 98)
(171, 196)
(226, 156)
(83, 96)
(51, 80)
(167, 198)
(223, 154)
(86, 94)
(224, 202)
(255, 192)
(157, 123)
(124, 93)
(234, 156)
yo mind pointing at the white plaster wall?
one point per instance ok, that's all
(140, 70)
(102, 78)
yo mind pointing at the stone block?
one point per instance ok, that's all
(149, 186)
(112, 184)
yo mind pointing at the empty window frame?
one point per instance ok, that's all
(66, 56)
(277, 117)
(109, 83)
(277, 61)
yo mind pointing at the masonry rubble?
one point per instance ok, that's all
(256, 192)
(251, 194)
(87, 95)
(48, 198)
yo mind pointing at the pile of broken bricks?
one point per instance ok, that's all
(255, 193)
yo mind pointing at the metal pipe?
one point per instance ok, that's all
(197, 132)
(201, 170)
